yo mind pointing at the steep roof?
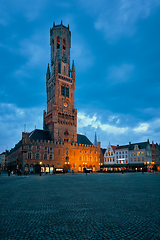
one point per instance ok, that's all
(113, 147)
(141, 145)
(103, 150)
(39, 134)
(122, 147)
(82, 139)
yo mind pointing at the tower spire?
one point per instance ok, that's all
(95, 139)
(48, 73)
(73, 70)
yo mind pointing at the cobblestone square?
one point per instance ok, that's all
(79, 206)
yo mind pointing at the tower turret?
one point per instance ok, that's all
(73, 70)
(48, 73)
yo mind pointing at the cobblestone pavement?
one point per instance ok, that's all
(96, 206)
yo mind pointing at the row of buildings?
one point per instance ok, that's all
(58, 146)
(36, 152)
(134, 156)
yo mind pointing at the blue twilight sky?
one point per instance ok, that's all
(116, 48)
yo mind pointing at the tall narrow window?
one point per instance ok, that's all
(62, 90)
(59, 67)
(64, 44)
(58, 42)
(67, 92)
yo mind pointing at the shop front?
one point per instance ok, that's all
(123, 167)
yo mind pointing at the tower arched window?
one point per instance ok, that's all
(64, 44)
(58, 42)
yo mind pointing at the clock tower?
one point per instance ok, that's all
(61, 116)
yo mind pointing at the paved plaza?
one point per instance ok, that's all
(79, 206)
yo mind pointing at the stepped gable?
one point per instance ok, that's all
(82, 139)
(39, 134)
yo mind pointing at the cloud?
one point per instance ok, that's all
(142, 128)
(30, 9)
(116, 130)
(12, 120)
(84, 121)
(82, 54)
(118, 17)
(118, 74)
(33, 50)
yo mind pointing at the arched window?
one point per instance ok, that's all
(58, 42)
(64, 44)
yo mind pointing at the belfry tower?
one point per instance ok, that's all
(61, 116)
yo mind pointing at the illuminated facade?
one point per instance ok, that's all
(57, 147)
(109, 155)
(136, 156)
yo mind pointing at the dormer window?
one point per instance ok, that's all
(136, 147)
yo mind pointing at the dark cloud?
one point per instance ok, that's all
(115, 45)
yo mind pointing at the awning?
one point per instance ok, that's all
(122, 165)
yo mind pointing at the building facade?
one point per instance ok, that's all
(109, 155)
(58, 146)
(3, 160)
(136, 156)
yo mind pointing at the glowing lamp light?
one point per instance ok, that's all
(40, 163)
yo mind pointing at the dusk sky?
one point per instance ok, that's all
(116, 48)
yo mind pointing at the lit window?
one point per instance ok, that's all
(58, 42)
(64, 44)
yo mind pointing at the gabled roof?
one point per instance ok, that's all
(113, 147)
(2, 153)
(39, 134)
(82, 139)
(141, 145)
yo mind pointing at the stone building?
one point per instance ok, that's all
(2, 160)
(57, 146)
(136, 156)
